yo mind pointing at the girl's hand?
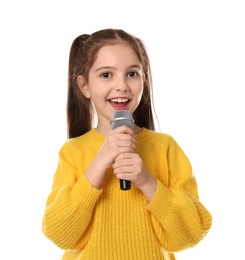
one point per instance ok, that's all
(129, 166)
(119, 140)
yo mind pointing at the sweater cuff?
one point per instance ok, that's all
(161, 203)
(84, 192)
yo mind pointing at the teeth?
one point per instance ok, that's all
(120, 100)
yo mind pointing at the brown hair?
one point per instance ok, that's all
(83, 54)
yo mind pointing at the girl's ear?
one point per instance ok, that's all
(83, 86)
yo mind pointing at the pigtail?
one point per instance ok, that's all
(143, 114)
(78, 106)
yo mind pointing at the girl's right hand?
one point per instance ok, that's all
(119, 140)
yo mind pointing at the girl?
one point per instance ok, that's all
(87, 214)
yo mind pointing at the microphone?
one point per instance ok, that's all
(120, 118)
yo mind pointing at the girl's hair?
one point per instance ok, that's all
(83, 53)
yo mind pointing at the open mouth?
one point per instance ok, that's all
(119, 103)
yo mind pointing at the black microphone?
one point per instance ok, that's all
(120, 118)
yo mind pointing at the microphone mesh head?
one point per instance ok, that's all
(122, 117)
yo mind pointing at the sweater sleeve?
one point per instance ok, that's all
(178, 217)
(70, 205)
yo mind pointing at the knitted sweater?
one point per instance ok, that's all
(111, 224)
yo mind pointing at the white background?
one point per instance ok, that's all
(197, 54)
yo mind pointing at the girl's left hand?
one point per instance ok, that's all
(129, 166)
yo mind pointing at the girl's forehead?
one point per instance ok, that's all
(114, 47)
(116, 51)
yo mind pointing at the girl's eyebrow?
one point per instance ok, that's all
(111, 67)
(135, 66)
(105, 68)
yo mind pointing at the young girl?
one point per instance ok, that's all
(87, 214)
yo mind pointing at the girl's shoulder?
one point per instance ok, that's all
(91, 138)
(151, 136)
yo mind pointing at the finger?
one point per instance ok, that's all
(123, 156)
(124, 130)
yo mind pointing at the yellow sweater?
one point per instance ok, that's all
(111, 224)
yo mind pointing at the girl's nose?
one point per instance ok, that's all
(122, 85)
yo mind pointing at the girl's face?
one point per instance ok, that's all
(115, 82)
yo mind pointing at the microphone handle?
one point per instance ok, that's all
(125, 185)
(119, 118)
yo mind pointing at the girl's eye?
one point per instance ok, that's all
(105, 75)
(133, 74)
